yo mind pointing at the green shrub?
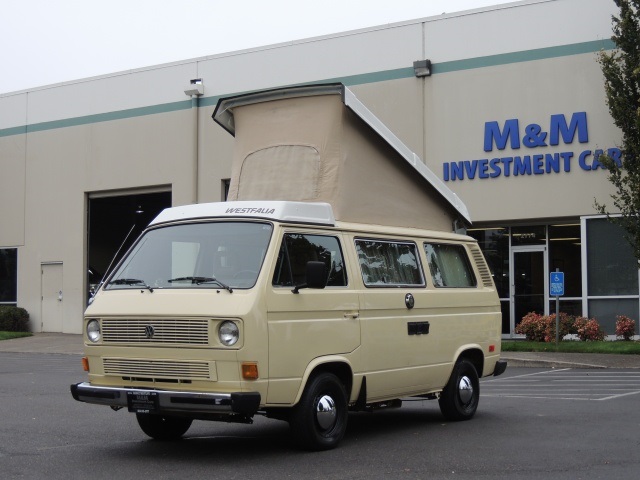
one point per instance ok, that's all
(13, 319)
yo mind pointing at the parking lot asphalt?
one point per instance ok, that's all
(64, 343)
(72, 344)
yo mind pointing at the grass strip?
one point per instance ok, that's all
(616, 347)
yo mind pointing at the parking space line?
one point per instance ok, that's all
(565, 384)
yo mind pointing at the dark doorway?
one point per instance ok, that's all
(529, 283)
(113, 224)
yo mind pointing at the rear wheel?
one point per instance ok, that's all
(459, 399)
(162, 427)
(319, 421)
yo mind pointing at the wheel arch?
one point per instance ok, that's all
(474, 354)
(339, 366)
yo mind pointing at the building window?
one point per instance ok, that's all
(612, 269)
(226, 182)
(612, 274)
(533, 235)
(565, 255)
(8, 275)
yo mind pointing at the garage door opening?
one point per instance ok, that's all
(113, 224)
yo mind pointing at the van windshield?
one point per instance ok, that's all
(201, 255)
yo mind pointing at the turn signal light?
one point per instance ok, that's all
(85, 364)
(492, 348)
(250, 370)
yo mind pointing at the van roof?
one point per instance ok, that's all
(314, 213)
(306, 213)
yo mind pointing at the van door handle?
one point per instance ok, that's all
(353, 315)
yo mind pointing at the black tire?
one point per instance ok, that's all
(460, 397)
(319, 421)
(162, 427)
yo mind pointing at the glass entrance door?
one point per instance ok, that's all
(529, 284)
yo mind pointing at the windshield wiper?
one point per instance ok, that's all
(201, 280)
(131, 281)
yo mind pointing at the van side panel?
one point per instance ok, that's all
(409, 351)
(396, 363)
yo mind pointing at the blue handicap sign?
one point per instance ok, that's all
(556, 284)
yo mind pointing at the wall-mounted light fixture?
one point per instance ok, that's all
(422, 68)
(195, 87)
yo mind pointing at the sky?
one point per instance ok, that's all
(44, 42)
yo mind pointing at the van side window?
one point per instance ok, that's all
(389, 264)
(298, 249)
(449, 265)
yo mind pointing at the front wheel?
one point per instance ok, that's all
(162, 427)
(459, 399)
(319, 421)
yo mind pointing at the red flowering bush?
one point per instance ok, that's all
(541, 328)
(588, 329)
(566, 326)
(625, 327)
(533, 326)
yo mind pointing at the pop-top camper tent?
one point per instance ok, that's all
(319, 143)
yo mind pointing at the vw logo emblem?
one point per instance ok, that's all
(409, 301)
(149, 331)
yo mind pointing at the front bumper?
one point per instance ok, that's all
(168, 402)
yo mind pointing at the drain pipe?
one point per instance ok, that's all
(194, 90)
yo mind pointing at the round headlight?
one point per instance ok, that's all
(93, 331)
(228, 333)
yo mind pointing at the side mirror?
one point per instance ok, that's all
(316, 276)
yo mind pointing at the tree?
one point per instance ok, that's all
(621, 70)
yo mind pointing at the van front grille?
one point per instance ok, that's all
(155, 331)
(159, 369)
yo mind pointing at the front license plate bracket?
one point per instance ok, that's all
(142, 401)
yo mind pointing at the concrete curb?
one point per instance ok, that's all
(570, 360)
(528, 363)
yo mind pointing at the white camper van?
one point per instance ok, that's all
(258, 305)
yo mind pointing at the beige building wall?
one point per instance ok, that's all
(12, 192)
(460, 103)
(12, 170)
(65, 165)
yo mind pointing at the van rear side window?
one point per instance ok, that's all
(449, 265)
(389, 264)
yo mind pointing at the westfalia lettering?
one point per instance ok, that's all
(535, 137)
(263, 211)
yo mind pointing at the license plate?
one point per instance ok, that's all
(142, 401)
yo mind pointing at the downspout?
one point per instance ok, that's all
(195, 89)
(422, 69)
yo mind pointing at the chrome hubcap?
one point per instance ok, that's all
(326, 412)
(465, 389)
